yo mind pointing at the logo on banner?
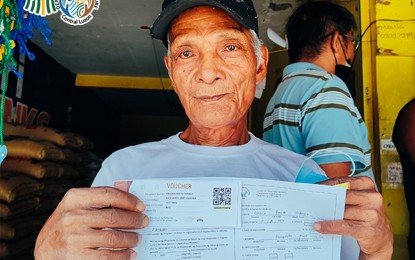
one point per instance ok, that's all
(74, 12)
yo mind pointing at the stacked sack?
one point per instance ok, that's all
(41, 165)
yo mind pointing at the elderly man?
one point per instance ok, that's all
(215, 60)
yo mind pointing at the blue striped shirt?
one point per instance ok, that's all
(313, 113)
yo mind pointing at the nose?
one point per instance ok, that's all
(210, 68)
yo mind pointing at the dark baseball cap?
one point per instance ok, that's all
(242, 11)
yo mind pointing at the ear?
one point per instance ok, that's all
(167, 63)
(261, 72)
(335, 43)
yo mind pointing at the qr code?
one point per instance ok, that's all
(222, 196)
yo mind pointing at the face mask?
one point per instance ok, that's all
(308, 173)
(345, 73)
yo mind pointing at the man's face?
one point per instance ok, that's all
(213, 66)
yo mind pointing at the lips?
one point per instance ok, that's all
(211, 98)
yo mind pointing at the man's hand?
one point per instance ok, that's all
(81, 226)
(364, 219)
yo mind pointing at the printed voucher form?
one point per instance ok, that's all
(247, 219)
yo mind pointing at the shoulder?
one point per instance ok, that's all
(313, 79)
(406, 116)
(289, 163)
(277, 151)
(143, 150)
(405, 121)
(407, 112)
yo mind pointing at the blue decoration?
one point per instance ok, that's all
(29, 22)
(16, 25)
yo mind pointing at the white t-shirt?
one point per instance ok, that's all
(174, 158)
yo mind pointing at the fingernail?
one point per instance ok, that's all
(140, 206)
(145, 221)
(133, 255)
(317, 226)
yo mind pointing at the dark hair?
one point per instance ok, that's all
(310, 25)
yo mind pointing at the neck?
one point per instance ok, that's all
(325, 60)
(224, 136)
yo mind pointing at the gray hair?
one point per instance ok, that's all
(256, 44)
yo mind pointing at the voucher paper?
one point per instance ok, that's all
(188, 203)
(273, 219)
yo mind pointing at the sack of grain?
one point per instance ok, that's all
(17, 187)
